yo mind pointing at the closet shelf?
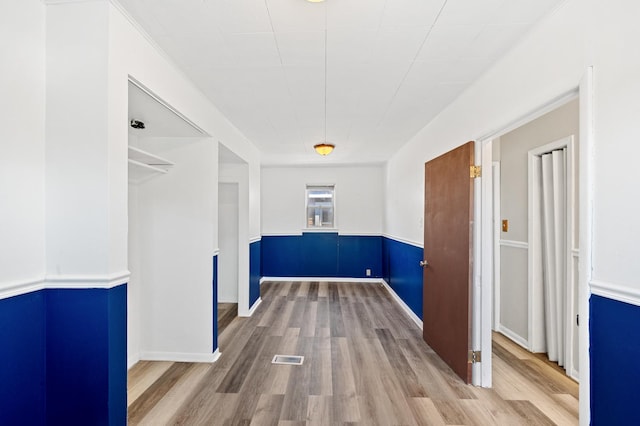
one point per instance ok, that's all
(148, 158)
(143, 164)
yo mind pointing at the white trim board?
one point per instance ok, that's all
(87, 281)
(615, 292)
(17, 288)
(403, 305)
(180, 356)
(495, 232)
(527, 118)
(405, 241)
(285, 234)
(321, 279)
(132, 361)
(254, 307)
(321, 230)
(514, 244)
(586, 195)
(515, 337)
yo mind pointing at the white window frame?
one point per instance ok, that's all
(306, 226)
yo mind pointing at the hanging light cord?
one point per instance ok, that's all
(325, 72)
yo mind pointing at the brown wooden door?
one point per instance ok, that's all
(448, 249)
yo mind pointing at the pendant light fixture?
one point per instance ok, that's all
(324, 148)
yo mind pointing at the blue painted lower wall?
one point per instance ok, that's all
(63, 357)
(402, 271)
(255, 271)
(615, 372)
(22, 360)
(321, 254)
(214, 318)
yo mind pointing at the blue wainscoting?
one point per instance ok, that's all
(402, 271)
(322, 254)
(215, 302)
(615, 372)
(86, 356)
(318, 254)
(255, 271)
(63, 357)
(281, 256)
(22, 360)
(356, 254)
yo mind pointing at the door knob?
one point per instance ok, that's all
(424, 263)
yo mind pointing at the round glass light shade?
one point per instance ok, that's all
(324, 148)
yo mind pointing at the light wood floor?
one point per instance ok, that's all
(227, 312)
(365, 363)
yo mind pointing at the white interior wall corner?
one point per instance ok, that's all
(22, 161)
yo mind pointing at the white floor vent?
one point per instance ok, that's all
(288, 359)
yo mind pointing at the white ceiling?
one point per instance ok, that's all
(391, 65)
(159, 120)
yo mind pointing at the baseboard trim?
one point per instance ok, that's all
(513, 336)
(254, 307)
(132, 361)
(216, 355)
(403, 305)
(615, 292)
(575, 375)
(180, 356)
(321, 279)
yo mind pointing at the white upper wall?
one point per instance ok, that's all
(175, 229)
(514, 173)
(132, 54)
(359, 198)
(122, 51)
(22, 74)
(549, 62)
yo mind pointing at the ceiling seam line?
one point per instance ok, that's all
(384, 9)
(284, 74)
(273, 31)
(424, 40)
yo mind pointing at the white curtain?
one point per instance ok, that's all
(553, 226)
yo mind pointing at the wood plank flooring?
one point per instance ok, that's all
(365, 364)
(227, 312)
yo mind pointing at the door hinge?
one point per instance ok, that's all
(475, 356)
(475, 171)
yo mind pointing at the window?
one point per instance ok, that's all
(320, 206)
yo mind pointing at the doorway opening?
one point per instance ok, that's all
(519, 295)
(228, 242)
(170, 206)
(232, 298)
(484, 299)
